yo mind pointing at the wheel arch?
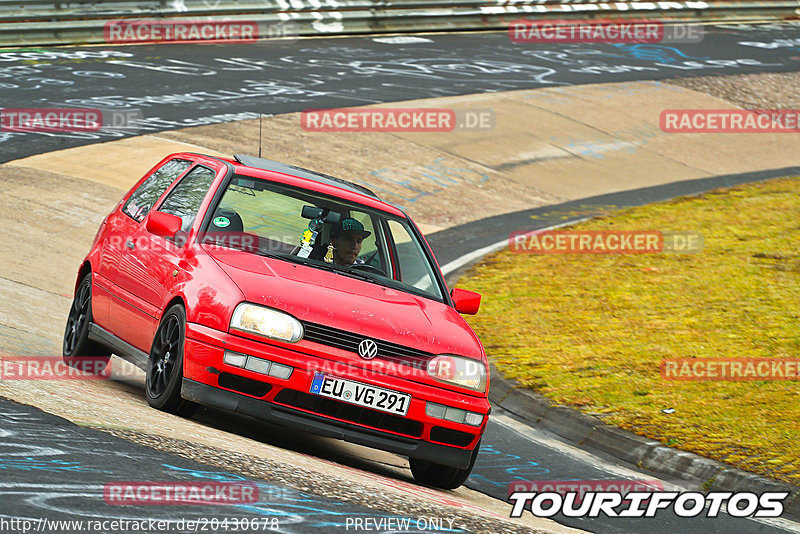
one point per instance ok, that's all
(172, 401)
(177, 299)
(85, 268)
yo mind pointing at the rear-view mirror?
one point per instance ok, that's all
(311, 212)
(333, 217)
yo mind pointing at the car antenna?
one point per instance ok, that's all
(260, 120)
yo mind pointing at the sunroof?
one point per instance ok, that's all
(269, 165)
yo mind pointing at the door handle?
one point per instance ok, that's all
(130, 244)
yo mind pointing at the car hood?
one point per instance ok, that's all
(346, 303)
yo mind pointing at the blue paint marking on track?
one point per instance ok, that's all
(656, 53)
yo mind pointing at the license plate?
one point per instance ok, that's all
(360, 394)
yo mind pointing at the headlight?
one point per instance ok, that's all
(266, 322)
(460, 371)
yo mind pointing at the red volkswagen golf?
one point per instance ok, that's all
(290, 296)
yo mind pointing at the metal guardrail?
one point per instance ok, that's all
(49, 22)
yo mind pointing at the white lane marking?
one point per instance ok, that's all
(402, 39)
(466, 258)
(547, 152)
(580, 455)
(575, 453)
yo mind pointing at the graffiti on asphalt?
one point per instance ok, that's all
(793, 44)
(30, 442)
(207, 88)
(19, 450)
(498, 468)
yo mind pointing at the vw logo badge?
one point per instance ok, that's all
(367, 349)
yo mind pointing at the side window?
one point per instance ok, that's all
(369, 247)
(266, 213)
(185, 199)
(415, 269)
(141, 200)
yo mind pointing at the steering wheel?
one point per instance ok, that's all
(369, 258)
(368, 268)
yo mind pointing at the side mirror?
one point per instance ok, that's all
(163, 224)
(466, 302)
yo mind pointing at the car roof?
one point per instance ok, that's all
(300, 172)
(321, 182)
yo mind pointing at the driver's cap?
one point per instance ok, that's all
(349, 224)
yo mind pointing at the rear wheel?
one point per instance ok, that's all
(165, 366)
(442, 476)
(77, 349)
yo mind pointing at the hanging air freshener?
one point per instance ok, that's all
(309, 238)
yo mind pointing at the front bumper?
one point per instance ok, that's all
(297, 419)
(211, 381)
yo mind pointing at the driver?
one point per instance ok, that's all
(346, 239)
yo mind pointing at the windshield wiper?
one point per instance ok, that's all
(294, 259)
(332, 267)
(267, 254)
(356, 274)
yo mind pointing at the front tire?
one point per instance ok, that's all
(442, 476)
(77, 349)
(165, 365)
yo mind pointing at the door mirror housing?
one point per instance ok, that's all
(466, 302)
(163, 224)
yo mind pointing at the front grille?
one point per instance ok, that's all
(452, 437)
(348, 412)
(342, 339)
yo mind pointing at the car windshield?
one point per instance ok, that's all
(261, 217)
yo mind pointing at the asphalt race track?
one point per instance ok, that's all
(57, 470)
(160, 87)
(53, 468)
